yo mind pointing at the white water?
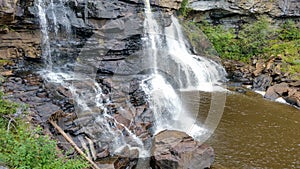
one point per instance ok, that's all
(198, 74)
(152, 31)
(88, 96)
(45, 37)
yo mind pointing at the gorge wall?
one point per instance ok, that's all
(234, 12)
(20, 35)
(112, 30)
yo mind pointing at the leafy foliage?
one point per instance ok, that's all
(184, 10)
(261, 39)
(22, 147)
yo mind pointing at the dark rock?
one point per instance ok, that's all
(262, 82)
(241, 90)
(232, 12)
(46, 110)
(293, 97)
(175, 149)
(277, 91)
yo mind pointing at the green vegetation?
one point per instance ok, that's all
(6, 28)
(5, 62)
(184, 10)
(260, 39)
(23, 146)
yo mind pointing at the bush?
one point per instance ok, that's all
(24, 148)
(260, 39)
(289, 31)
(254, 38)
(184, 10)
(223, 40)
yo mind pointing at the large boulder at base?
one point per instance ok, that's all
(175, 149)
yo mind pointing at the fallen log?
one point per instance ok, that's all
(94, 165)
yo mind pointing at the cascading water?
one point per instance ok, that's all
(191, 72)
(90, 103)
(166, 47)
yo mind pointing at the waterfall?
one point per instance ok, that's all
(171, 56)
(90, 103)
(45, 36)
(153, 31)
(174, 70)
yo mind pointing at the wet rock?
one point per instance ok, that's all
(294, 99)
(241, 90)
(262, 82)
(175, 149)
(46, 110)
(277, 90)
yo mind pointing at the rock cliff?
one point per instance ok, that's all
(233, 11)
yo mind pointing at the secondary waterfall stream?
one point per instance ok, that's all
(167, 45)
(170, 57)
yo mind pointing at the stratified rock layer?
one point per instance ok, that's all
(175, 149)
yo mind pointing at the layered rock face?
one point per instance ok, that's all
(233, 11)
(98, 39)
(19, 33)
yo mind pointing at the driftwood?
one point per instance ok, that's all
(94, 165)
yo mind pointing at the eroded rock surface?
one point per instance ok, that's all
(175, 149)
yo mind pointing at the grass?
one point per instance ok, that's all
(23, 146)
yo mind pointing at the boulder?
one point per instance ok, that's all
(294, 97)
(277, 91)
(295, 84)
(262, 82)
(176, 149)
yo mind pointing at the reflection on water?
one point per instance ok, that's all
(256, 133)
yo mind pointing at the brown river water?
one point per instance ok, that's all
(255, 133)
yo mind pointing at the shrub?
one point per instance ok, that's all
(254, 38)
(259, 38)
(289, 31)
(22, 147)
(184, 10)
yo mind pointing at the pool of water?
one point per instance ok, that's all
(256, 133)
